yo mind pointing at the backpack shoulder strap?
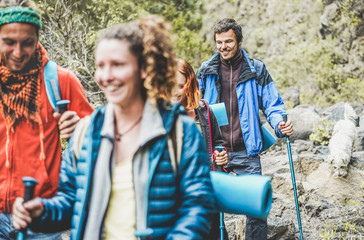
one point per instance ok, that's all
(51, 83)
(174, 141)
(78, 137)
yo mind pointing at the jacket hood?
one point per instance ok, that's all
(210, 67)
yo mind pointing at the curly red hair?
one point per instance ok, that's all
(190, 93)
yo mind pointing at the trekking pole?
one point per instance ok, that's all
(293, 179)
(220, 169)
(29, 183)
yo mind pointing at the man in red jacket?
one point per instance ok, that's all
(30, 131)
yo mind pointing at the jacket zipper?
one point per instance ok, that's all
(231, 113)
(9, 176)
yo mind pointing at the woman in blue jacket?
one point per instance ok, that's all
(123, 182)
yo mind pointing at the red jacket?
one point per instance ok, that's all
(24, 143)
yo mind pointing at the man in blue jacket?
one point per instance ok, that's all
(245, 86)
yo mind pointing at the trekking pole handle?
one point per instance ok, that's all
(62, 106)
(285, 117)
(219, 167)
(29, 184)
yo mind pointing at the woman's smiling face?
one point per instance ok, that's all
(117, 72)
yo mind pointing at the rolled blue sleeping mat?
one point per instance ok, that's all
(268, 138)
(249, 195)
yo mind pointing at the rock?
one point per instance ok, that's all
(357, 160)
(327, 18)
(359, 141)
(322, 150)
(277, 228)
(291, 97)
(308, 163)
(336, 112)
(303, 118)
(302, 146)
(235, 226)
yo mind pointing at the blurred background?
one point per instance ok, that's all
(314, 45)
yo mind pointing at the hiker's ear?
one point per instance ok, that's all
(143, 74)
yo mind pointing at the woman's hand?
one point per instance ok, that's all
(23, 213)
(221, 158)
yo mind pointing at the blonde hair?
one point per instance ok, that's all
(149, 40)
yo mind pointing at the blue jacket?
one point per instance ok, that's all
(255, 90)
(176, 208)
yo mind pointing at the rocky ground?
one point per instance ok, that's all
(331, 207)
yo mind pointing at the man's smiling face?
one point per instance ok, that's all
(18, 43)
(226, 44)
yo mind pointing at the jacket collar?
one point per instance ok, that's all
(108, 125)
(152, 124)
(157, 120)
(212, 66)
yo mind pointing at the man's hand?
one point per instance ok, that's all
(286, 128)
(23, 213)
(66, 123)
(221, 158)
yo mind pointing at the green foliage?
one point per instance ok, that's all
(64, 144)
(329, 232)
(325, 67)
(288, 105)
(350, 227)
(312, 66)
(322, 133)
(346, 230)
(301, 58)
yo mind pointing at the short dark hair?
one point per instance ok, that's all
(225, 25)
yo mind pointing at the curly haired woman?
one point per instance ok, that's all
(123, 184)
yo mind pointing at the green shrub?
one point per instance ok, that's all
(322, 133)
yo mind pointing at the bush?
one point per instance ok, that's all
(322, 133)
